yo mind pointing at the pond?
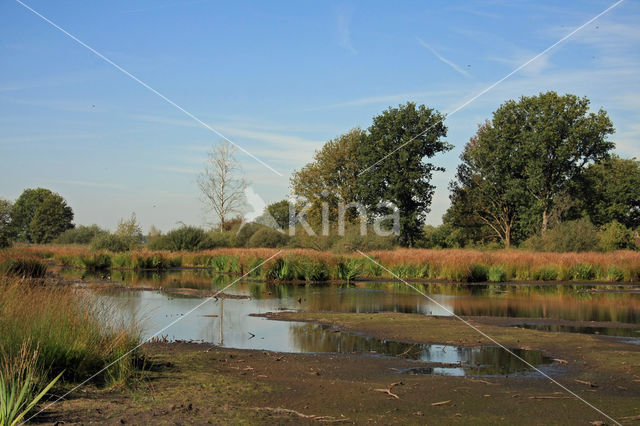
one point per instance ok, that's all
(160, 299)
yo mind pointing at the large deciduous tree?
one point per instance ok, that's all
(51, 218)
(6, 231)
(611, 192)
(489, 189)
(222, 183)
(393, 168)
(558, 138)
(29, 218)
(518, 170)
(330, 177)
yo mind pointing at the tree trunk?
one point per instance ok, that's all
(507, 237)
(545, 220)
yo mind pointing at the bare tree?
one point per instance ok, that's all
(222, 183)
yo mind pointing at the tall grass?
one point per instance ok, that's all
(459, 265)
(73, 331)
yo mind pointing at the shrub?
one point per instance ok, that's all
(572, 236)
(110, 242)
(220, 238)
(185, 238)
(616, 236)
(243, 235)
(269, 238)
(80, 234)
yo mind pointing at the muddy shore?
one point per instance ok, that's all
(201, 383)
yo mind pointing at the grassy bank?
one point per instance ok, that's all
(53, 334)
(459, 265)
(73, 331)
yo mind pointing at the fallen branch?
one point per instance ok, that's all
(287, 411)
(435, 404)
(561, 361)
(483, 381)
(388, 390)
(549, 397)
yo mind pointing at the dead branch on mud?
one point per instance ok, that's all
(388, 390)
(287, 411)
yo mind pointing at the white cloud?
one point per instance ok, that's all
(343, 30)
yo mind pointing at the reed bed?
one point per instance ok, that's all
(458, 265)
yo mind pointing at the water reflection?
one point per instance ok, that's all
(227, 323)
(606, 331)
(443, 359)
(566, 302)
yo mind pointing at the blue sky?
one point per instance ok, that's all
(279, 79)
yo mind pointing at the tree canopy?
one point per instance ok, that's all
(393, 168)
(611, 192)
(517, 171)
(40, 215)
(330, 177)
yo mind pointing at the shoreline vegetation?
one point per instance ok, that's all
(294, 265)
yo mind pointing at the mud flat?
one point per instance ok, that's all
(202, 383)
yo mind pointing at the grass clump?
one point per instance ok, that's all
(583, 272)
(546, 273)
(73, 331)
(24, 267)
(348, 270)
(96, 262)
(478, 273)
(497, 274)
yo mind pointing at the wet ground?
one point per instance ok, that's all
(374, 352)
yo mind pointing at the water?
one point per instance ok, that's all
(562, 302)
(162, 298)
(230, 323)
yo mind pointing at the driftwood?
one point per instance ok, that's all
(388, 390)
(286, 411)
(435, 404)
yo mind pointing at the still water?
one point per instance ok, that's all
(159, 299)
